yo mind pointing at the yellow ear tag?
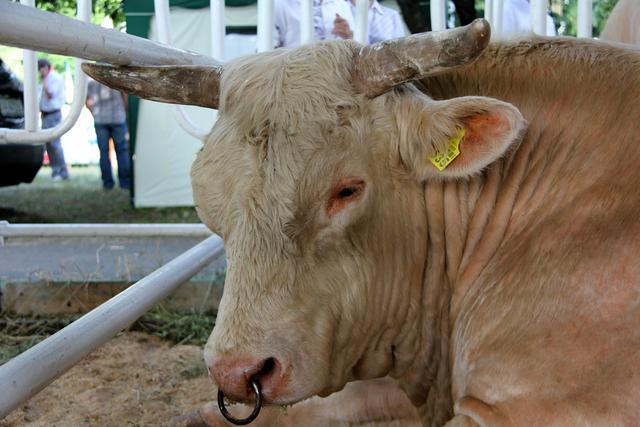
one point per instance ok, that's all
(442, 160)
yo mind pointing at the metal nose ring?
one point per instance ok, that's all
(256, 409)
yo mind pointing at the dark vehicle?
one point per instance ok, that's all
(18, 162)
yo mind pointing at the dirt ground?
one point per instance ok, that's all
(134, 380)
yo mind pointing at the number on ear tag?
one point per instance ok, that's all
(442, 160)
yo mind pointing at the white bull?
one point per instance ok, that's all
(477, 239)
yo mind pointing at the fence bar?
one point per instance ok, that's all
(28, 373)
(102, 230)
(496, 23)
(538, 16)
(79, 96)
(306, 21)
(361, 30)
(488, 12)
(585, 18)
(439, 16)
(265, 25)
(30, 96)
(29, 28)
(218, 29)
(163, 25)
(161, 9)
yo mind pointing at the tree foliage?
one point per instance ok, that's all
(100, 9)
(566, 21)
(564, 13)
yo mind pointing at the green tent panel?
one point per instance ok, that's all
(138, 15)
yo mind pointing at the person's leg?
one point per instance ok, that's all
(102, 134)
(122, 154)
(54, 148)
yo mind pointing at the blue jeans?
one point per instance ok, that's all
(54, 148)
(117, 131)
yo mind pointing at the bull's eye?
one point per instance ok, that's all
(345, 191)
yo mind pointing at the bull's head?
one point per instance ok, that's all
(313, 174)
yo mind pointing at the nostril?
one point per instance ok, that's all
(268, 370)
(234, 376)
(268, 366)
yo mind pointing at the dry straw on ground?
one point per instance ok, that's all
(134, 380)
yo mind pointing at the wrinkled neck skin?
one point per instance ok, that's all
(554, 168)
(463, 221)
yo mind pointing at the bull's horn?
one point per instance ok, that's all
(176, 84)
(381, 66)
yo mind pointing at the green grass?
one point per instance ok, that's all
(81, 199)
(18, 333)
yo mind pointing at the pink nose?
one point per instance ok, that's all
(233, 376)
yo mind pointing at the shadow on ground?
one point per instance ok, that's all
(80, 199)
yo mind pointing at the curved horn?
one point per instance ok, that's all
(383, 65)
(176, 84)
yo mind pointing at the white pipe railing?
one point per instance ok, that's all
(29, 28)
(538, 16)
(163, 26)
(218, 31)
(8, 230)
(161, 8)
(28, 373)
(265, 25)
(31, 135)
(30, 96)
(585, 13)
(496, 21)
(306, 21)
(361, 30)
(438, 15)
(488, 12)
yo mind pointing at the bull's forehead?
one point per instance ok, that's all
(288, 87)
(280, 136)
(270, 182)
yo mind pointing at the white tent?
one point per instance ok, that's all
(164, 151)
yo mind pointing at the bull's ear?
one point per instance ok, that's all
(458, 137)
(176, 84)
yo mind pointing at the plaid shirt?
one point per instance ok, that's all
(108, 105)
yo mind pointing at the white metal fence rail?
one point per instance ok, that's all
(29, 28)
(31, 134)
(28, 373)
(8, 230)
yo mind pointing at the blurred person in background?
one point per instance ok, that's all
(338, 21)
(334, 19)
(516, 18)
(287, 22)
(51, 101)
(108, 107)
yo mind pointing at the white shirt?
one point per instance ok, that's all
(328, 11)
(516, 18)
(55, 85)
(384, 23)
(287, 22)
